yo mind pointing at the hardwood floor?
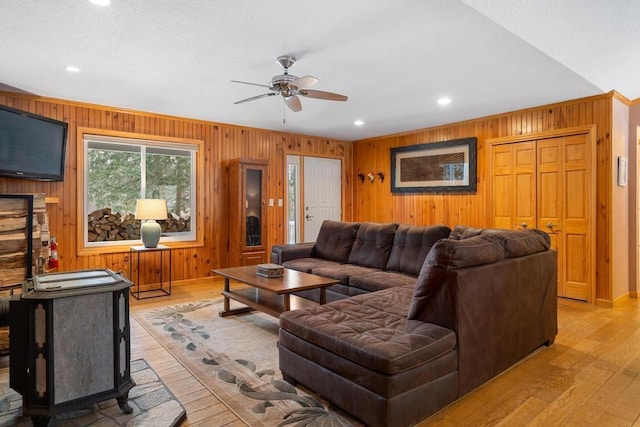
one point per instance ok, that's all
(590, 376)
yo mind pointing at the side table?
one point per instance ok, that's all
(135, 252)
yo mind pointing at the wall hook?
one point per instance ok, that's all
(381, 176)
(361, 178)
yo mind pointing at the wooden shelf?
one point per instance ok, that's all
(267, 302)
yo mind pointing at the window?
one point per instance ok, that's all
(120, 170)
(293, 178)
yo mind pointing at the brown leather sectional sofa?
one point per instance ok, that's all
(434, 314)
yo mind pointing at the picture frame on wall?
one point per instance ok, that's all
(436, 167)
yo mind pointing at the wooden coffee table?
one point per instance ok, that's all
(269, 295)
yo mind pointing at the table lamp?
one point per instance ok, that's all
(148, 210)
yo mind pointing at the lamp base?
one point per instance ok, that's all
(150, 233)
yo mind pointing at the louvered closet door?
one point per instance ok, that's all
(546, 184)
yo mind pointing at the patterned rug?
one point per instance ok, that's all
(152, 402)
(236, 357)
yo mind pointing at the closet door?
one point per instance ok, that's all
(547, 184)
(513, 184)
(549, 203)
(576, 236)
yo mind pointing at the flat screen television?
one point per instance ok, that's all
(31, 146)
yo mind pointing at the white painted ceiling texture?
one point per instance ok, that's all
(394, 59)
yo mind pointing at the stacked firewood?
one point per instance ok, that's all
(14, 235)
(106, 226)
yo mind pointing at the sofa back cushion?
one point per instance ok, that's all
(335, 240)
(448, 254)
(516, 242)
(463, 232)
(520, 242)
(411, 245)
(373, 244)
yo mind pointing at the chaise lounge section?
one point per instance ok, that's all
(483, 299)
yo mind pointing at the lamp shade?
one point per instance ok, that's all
(149, 210)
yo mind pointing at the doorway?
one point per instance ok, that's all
(314, 193)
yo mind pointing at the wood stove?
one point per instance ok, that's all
(70, 342)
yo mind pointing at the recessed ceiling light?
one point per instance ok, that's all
(358, 123)
(444, 100)
(72, 69)
(101, 2)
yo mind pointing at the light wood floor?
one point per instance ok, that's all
(590, 376)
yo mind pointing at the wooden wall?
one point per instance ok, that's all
(221, 143)
(375, 202)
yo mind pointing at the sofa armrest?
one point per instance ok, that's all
(283, 253)
(500, 313)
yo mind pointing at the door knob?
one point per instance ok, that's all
(550, 225)
(308, 217)
(524, 225)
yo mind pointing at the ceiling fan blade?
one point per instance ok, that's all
(253, 98)
(319, 94)
(293, 102)
(249, 83)
(304, 82)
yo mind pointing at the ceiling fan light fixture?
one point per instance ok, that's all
(291, 87)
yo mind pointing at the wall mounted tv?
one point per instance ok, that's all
(31, 146)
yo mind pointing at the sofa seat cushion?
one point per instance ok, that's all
(335, 240)
(373, 245)
(412, 244)
(378, 280)
(382, 384)
(306, 265)
(372, 330)
(342, 272)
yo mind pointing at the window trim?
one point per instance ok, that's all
(84, 249)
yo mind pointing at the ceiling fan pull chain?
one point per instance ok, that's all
(284, 114)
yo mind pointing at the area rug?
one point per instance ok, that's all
(236, 358)
(153, 406)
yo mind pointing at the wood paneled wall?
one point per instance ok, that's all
(375, 202)
(221, 143)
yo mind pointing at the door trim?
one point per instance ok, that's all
(343, 186)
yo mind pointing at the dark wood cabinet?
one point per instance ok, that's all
(247, 212)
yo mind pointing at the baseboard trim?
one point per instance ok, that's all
(617, 301)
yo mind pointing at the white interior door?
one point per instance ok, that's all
(322, 194)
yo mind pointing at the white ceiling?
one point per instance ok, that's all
(393, 59)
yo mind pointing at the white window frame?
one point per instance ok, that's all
(192, 238)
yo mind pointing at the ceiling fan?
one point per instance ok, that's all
(291, 87)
